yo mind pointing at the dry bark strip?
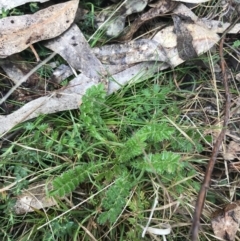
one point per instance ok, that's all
(67, 99)
(129, 53)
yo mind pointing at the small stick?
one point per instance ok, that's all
(35, 53)
(207, 178)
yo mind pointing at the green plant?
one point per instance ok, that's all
(120, 156)
(33, 7)
(236, 44)
(4, 13)
(124, 139)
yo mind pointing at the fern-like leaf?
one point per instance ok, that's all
(68, 181)
(157, 132)
(135, 145)
(115, 200)
(92, 103)
(165, 162)
(132, 147)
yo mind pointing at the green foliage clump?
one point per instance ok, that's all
(123, 140)
(236, 44)
(92, 104)
(70, 180)
(133, 154)
(115, 198)
(144, 137)
(160, 163)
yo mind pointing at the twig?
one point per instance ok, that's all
(211, 163)
(35, 53)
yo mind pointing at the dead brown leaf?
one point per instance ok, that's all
(18, 32)
(34, 198)
(225, 222)
(233, 149)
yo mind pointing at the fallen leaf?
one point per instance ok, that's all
(225, 222)
(163, 48)
(66, 99)
(18, 32)
(212, 25)
(203, 40)
(232, 152)
(34, 198)
(134, 74)
(218, 26)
